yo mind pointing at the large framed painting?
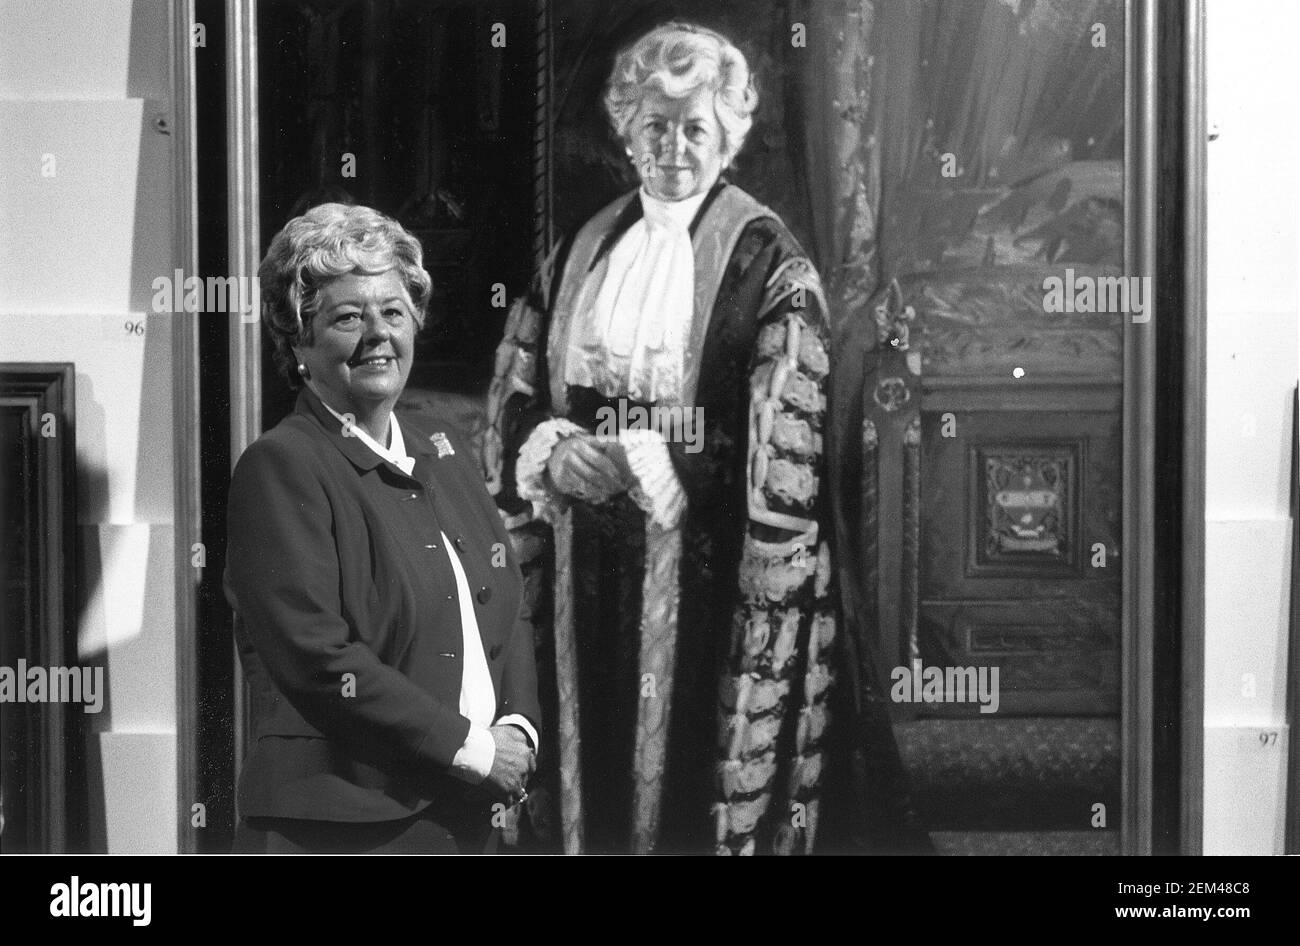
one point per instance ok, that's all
(998, 205)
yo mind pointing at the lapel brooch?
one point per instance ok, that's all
(442, 444)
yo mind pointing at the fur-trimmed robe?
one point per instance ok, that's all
(693, 642)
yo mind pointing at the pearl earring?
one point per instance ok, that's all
(304, 371)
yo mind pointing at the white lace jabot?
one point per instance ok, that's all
(634, 311)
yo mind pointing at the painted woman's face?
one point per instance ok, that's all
(363, 340)
(677, 144)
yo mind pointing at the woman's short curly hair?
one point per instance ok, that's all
(679, 58)
(328, 241)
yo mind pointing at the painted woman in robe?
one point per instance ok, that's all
(656, 425)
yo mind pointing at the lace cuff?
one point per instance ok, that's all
(657, 491)
(531, 481)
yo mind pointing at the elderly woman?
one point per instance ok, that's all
(393, 687)
(658, 409)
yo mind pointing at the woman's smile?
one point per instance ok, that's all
(374, 363)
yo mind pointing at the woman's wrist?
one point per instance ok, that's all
(656, 489)
(532, 476)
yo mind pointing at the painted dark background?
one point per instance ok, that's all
(1021, 100)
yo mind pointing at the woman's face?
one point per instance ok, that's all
(363, 338)
(677, 144)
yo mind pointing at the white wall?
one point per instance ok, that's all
(1253, 364)
(81, 85)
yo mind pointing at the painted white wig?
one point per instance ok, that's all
(679, 58)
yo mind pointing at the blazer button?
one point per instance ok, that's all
(484, 595)
(460, 543)
(494, 652)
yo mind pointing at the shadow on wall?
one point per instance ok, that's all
(92, 508)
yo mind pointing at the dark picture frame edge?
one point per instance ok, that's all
(45, 390)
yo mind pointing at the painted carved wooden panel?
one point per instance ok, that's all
(1019, 545)
(1024, 503)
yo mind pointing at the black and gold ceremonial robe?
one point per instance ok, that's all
(691, 662)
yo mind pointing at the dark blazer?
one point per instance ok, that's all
(347, 619)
